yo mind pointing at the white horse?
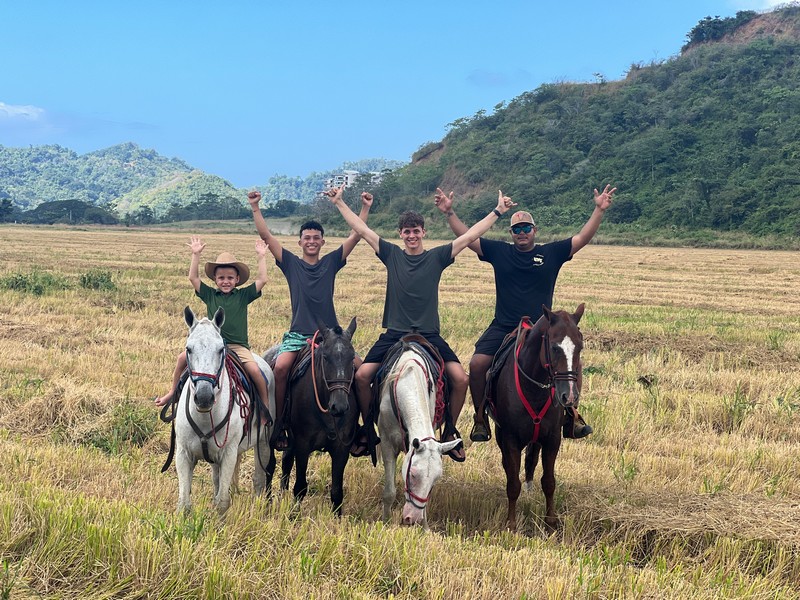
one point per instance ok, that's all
(210, 420)
(406, 423)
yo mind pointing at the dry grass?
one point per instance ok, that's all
(687, 488)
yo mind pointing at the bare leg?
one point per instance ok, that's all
(283, 365)
(260, 382)
(180, 366)
(478, 368)
(364, 376)
(458, 393)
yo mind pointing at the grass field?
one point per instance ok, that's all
(687, 489)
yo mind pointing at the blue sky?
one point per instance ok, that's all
(248, 89)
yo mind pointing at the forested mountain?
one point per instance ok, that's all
(710, 138)
(127, 179)
(122, 178)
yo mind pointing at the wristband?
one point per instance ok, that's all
(497, 212)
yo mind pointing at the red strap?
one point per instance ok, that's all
(537, 418)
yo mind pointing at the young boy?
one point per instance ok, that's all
(412, 303)
(227, 273)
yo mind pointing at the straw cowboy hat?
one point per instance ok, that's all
(226, 259)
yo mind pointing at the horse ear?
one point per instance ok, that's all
(548, 314)
(219, 317)
(351, 329)
(576, 316)
(445, 447)
(188, 316)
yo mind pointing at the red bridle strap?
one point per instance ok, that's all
(537, 418)
(411, 496)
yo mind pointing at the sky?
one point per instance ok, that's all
(246, 89)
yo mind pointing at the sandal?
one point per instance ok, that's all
(457, 453)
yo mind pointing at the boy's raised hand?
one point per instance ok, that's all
(366, 199)
(196, 244)
(261, 248)
(442, 201)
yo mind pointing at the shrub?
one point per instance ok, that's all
(36, 282)
(130, 424)
(97, 279)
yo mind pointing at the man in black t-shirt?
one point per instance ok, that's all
(525, 276)
(311, 279)
(412, 303)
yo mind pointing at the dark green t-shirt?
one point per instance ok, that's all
(412, 287)
(234, 329)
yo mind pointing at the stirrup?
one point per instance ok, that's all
(480, 432)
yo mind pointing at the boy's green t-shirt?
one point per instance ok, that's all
(234, 329)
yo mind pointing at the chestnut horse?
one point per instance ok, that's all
(538, 380)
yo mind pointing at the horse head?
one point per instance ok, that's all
(336, 366)
(205, 356)
(422, 467)
(561, 353)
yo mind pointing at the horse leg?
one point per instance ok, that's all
(301, 472)
(389, 468)
(512, 457)
(549, 454)
(224, 475)
(287, 461)
(269, 470)
(260, 455)
(184, 465)
(531, 460)
(339, 459)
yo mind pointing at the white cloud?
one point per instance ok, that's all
(20, 112)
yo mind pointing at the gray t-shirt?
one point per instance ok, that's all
(412, 287)
(311, 289)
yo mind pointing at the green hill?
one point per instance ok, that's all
(707, 139)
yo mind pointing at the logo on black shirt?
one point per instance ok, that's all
(537, 260)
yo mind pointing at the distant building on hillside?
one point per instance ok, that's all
(348, 177)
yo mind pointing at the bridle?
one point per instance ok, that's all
(411, 498)
(330, 384)
(553, 376)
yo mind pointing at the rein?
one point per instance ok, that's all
(411, 497)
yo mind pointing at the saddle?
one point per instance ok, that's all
(241, 384)
(435, 364)
(498, 361)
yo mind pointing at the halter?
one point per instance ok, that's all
(212, 378)
(332, 385)
(411, 497)
(552, 375)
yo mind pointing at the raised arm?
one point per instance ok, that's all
(261, 277)
(254, 198)
(197, 245)
(601, 203)
(354, 237)
(445, 204)
(357, 225)
(482, 226)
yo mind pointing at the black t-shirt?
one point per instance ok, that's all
(412, 287)
(311, 289)
(523, 280)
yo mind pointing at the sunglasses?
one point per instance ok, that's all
(517, 229)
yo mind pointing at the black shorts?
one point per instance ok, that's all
(491, 340)
(391, 336)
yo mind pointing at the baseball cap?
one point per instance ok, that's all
(522, 217)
